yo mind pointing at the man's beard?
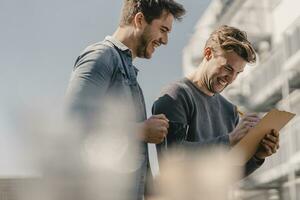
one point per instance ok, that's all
(142, 44)
(211, 87)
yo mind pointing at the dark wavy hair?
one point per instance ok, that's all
(151, 9)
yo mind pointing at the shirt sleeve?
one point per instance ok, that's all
(87, 87)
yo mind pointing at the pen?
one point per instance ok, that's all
(240, 112)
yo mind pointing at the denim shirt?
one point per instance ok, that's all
(105, 70)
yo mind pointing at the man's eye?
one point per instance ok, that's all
(228, 69)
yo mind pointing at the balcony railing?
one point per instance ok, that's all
(265, 80)
(292, 38)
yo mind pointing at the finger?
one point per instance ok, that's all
(158, 133)
(155, 140)
(272, 145)
(250, 124)
(163, 123)
(271, 138)
(267, 149)
(251, 115)
(274, 149)
(158, 140)
(161, 116)
(159, 137)
(163, 131)
(275, 133)
(243, 131)
(251, 119)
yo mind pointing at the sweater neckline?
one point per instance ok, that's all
(189, 82)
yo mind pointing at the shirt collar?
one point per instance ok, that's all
(122, 47)
(117, 43)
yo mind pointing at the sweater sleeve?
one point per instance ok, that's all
(252, 165)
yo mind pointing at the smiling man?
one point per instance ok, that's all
(105, 70)
(196, 101)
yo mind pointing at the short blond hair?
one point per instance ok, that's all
(229, 38)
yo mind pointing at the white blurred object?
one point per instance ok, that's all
(153, 159)
(77, 165)
(205, 175)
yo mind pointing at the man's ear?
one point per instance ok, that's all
(208, 53)
(139, 20)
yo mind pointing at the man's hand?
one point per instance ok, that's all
(247, 122)
(155, 129)
(268, 145)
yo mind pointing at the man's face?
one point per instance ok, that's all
(222, 69)
(154, 34)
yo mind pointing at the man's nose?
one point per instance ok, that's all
(164, 39)
(230, 78)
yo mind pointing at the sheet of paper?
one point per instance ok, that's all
(247, 147)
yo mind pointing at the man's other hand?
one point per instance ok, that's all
(155, 129)
(268, 145)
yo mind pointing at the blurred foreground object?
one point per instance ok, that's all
(201, 175)
(75, 165)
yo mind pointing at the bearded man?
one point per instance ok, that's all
(105, 70)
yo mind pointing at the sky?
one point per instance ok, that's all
(40, 41)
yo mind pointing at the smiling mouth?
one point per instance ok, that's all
(222, 82)
(156, 44)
